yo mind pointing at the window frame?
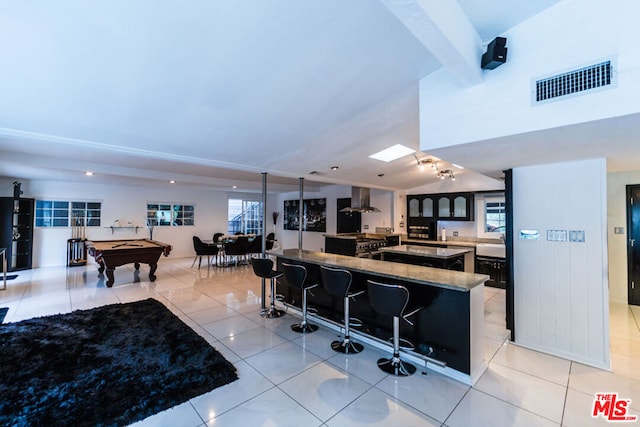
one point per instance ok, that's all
(481, 220)
(57, 206)
(180, 214)
(245, 221)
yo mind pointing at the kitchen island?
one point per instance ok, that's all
(451, 259)
(449, 329)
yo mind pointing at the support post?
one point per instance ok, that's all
(264, 244)
(300, 213)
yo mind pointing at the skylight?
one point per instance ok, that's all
(392, 153)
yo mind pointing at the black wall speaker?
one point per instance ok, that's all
(496, 54)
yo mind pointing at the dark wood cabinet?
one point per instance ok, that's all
(421, 209)
(495, 268)
(456, 206)
(347, 222)
(453, 263)
(16, 231)
(425, 208)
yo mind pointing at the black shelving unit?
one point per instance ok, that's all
(16, 231)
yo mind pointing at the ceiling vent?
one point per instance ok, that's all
(591, 78)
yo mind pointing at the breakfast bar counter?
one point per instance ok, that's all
(449, 328)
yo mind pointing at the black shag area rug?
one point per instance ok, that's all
(108, 366)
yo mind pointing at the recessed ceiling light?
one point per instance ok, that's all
(88, 173)
(392, 153)
(234, 187)
(334, 168)
(171, 181)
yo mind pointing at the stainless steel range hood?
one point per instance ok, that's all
(360, 201)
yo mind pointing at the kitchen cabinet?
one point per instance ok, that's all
(347, 222)
(495, 268)
(449, 259)
(456, 206)
(425, 208)
(16, 231)
(421, 209)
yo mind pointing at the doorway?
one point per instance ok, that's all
(633, 244)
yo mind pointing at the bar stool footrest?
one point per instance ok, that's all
(404, 344)
(355, 322)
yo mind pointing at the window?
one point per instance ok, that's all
(244, 216)
(54, 213)
(495, 218)
(170, 214)
(85, 211)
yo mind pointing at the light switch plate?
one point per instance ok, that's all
(557, 235)
(576, 236)
(618, 230)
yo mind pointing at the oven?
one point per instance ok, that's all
(369, 248)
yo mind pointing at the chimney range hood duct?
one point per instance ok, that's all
(360, 201)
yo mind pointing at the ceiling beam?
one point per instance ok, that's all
(444, 29)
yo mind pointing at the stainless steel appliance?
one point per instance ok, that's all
(369, 248)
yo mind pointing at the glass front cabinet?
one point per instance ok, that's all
(421, 208)
(446, 206)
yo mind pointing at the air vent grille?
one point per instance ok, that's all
(597, 76)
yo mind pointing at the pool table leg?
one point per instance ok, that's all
(136, 265)
(110, 279)
(152, 270)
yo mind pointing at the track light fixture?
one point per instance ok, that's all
(447, 173)
(430, 163)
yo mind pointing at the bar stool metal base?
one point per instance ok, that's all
(395, 366)
(304, 328)
(271, 313)
(347, 347)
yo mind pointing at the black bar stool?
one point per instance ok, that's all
(263, 267)
(296, 276)
(337, 282)
(391, 300)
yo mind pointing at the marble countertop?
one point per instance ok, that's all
(450, 279)
(424, 251)
(462, 243)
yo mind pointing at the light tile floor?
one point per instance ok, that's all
(291, 380)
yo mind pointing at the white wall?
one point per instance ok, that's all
(538, 47)
(560, 288)
(129, 204)
(617, 217)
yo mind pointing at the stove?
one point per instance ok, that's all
(369, 248)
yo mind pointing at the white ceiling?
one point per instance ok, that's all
(212, 93)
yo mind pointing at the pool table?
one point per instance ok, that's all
(110, 254)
